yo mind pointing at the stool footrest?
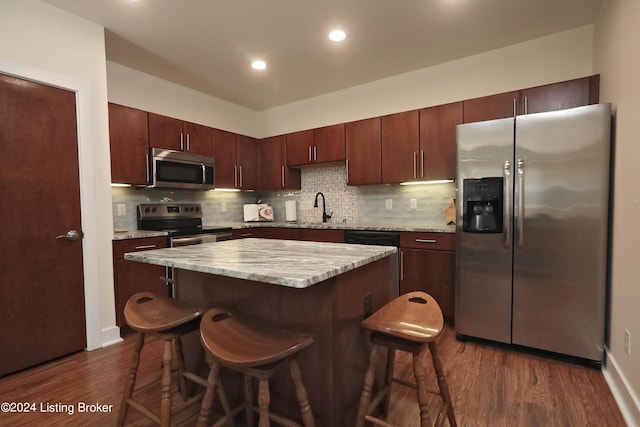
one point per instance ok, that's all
(144, 410)
(283, 421)
(414, 385)
(235, 411)
(378, 421)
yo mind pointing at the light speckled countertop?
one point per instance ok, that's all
(137, 234)
(438, 228)
(289, 263)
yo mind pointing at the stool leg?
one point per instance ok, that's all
(263, 402)
(391, 359)
(248, 397)
(165, 401)
(182, 381)
(207, 400)
(442, 383)
(418, 372)
(369, 378)
(131, 380)
(301, 394)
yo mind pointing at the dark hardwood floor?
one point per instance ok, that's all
(490, 386)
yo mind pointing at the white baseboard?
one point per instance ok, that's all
(624, 395)
(111, 336)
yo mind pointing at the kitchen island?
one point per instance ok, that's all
(322, 288)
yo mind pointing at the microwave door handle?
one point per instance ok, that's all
(204, 175)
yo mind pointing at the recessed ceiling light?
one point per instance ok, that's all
(258, 64)
(337, 35)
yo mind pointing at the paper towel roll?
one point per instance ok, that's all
(290, 212)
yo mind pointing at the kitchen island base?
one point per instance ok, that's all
(333, 367)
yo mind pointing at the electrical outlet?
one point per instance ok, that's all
(122, 209)
(388, 204)
(627, 342)
(223, 207)
(413, 203)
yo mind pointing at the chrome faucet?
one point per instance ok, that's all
(325, 216)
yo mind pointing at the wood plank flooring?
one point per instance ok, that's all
(490, 386)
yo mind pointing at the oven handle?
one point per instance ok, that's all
(185, 241)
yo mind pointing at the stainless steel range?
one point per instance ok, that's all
(183, 222)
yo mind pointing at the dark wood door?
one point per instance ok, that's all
(363, 151)
(165, 132)
(197, 138)
(491, 107)
(224, 154)
(432, 272)
(400, 140)
(300, 147)
(247, 160)
(556, 96)
(42, 287)
(129, 143)
(438, 159)
(329, 143)
(274, 172)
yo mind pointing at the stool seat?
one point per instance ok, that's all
(256, 350)
(148, 312)
(409, 323)
(240, 341)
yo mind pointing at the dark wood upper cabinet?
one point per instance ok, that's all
(438, 158)
(559, 96)
(273, 170)
(224, 154)
(400, 143)
(247, 160)
(491, 107)
(174, 134)
(320, 145)
(129, 144)
(363, 146)
(329, 143)
(300, 147)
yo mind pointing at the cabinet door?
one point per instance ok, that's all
(438, 141)
(432, 272)
(224, 154)
(247, 160)
(300, 148)
(400, 136)
(557, 96)
(491, 107)
(165, 132)
(317, 235)
(197, 139)
(364, 151)
(329, 145)
(273, 170)
(129, 143)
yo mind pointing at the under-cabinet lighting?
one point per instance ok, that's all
(225, 189)
(117, 184)
(437, 181)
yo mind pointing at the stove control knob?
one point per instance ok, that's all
(154, 210)
(147, 210)
(197, 208)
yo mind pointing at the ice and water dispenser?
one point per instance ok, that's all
(482, 205)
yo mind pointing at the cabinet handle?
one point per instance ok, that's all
(431, 241)
(347, 167)
(181, 141)
(149, 177)
(166, 280)
(310, 154)
(235, 176)
(315, 153)
(401, 265)
(241, 176)
(526, 105)
(246, 234)
(143, 247)
(421, 163)
(283, 176)
(188, 143)
(415, 165)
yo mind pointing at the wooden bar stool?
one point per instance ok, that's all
(168, 319)
(410, 323)
(254, 349)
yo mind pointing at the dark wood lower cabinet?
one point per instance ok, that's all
(132, 276)
(430, 271)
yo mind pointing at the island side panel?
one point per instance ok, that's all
(333, 366)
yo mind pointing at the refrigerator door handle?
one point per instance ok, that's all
(506, 171)
(520, 217)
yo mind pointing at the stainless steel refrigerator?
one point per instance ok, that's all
(532, 225)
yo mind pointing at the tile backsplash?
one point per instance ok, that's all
(388, 204)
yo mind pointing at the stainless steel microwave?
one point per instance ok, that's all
(177, 169)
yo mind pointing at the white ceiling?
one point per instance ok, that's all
(208, 45)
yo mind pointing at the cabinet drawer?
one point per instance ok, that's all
(121, 247)
(437, 241)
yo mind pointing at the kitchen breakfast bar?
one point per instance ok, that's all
(326, 289)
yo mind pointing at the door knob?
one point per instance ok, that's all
(70, 235)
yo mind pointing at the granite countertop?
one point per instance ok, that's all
(289, 263)
(438, 228)
(137, 234)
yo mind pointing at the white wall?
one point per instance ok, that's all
(617, 59)
(47, 44)
(133, 88)
(557, 57)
